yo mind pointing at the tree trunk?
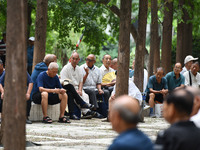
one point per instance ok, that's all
(140, 44)
(14, 106)
(40, 31)
(29, 18)
(124, 48)
(187, 32)
(157, 55)
(167, 36)
(133, 30)
(154, 36)
(64, 58)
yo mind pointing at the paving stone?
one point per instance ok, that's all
(83, 134)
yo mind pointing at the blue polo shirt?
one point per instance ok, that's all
(153, 84)
(132, 139)
(172, 82)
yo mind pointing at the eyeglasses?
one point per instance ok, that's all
(177, 68)
(90, 60)
(75, 58)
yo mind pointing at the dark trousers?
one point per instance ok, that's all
(29, 69)
(73, 97)
(28, 107)
(92, 93)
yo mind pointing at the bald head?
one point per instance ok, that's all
(177, 68)
(196, 105)
(114, 64)
(127, 102)
(92, 56)
(49, 58)
(124, 113)
(90, 60)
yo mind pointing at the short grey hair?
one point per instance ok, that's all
(49, 58)
(53, 65)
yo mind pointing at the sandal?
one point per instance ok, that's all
(47, 120)
(64, 120)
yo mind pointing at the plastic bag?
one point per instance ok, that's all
(159, 110)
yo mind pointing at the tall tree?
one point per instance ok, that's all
(184, 32)
(154, 42)
(188, 16)
(40, 31)
(124, 48)
(157, 55)
(167, 35)
(180, 37)
(14, 107)
(140, 44)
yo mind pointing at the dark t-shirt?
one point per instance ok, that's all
(132, 139)
(43, 80)
(153, 84)
(182, 135)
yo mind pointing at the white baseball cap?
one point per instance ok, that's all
(31, 39)
(189, 58)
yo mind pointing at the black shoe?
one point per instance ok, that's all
(106, 120)
(98, 115)
(28, 121)
(86, 117)
(89, 106)
(74, 117)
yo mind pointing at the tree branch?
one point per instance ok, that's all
(116, 11)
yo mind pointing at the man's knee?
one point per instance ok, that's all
(152, 96)
(63, 97)
(44, 95)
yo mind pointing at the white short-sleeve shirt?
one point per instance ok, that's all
(195, 79)
(74, 74)
(104, 70)
(133, 91)
(93, 78)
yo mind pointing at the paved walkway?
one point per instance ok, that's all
(83, 135)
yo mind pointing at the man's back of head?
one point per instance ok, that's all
(124, 118)
(178, 105)
(125, 113)
(49, 58)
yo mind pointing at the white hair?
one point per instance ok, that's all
(53, 65)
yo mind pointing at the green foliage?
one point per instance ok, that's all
(196, 46)
(3, 4)
(87, 18)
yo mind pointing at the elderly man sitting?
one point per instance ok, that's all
(188, 63)
(192, 77)
(49, 91)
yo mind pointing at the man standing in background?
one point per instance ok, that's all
(30, 49)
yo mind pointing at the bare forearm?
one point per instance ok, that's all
(30, 87)
(80, 87)
(99, 87)
(85, 77)
(154, 91)
(41, 89)
(1, 88)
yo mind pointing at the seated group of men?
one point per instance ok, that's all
(73, 87)
(179, 92)
(159, 85)
(179, 106)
